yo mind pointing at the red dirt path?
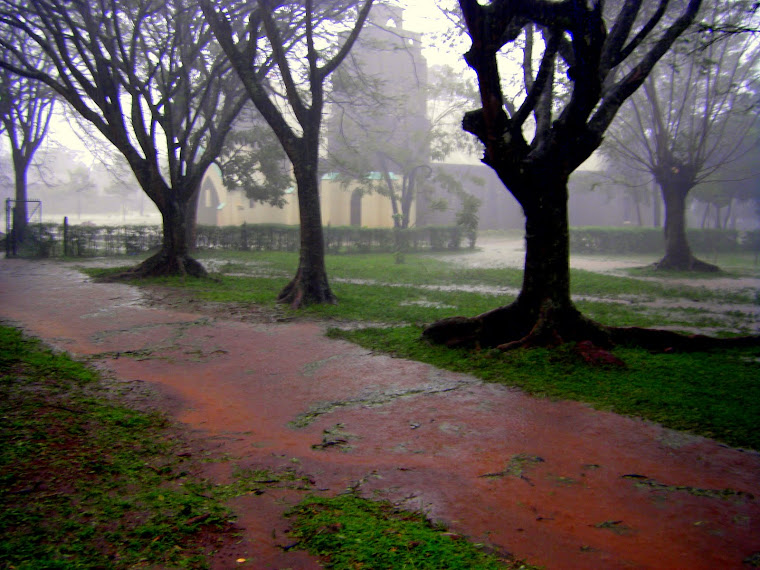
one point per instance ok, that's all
(407, 432)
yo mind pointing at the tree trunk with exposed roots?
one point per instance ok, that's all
(543, 314)
(678, 255)
(310, 285)
(174, 257)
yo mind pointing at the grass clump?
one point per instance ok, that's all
(714, 394)
(351, 532)
(86, 483)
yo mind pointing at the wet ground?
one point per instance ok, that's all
(554, 482)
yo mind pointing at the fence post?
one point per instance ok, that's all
(65, 236)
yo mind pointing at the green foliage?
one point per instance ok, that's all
(253, 160)
(351, 532)
(714, 394)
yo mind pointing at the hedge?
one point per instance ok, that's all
(340, 239)
(53, 240)
(651, 240)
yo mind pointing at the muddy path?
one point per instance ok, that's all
(554, 482)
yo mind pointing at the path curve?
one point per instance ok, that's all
(554, 482)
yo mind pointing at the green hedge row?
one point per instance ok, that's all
(651, 240)
(343, 239)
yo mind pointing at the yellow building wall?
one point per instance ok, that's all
(220, 207)
(335, 201)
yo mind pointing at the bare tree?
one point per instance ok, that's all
(149, 77)
(26, 107)
(378, 129)
(594, 56)
(307, 41)
(691, 122)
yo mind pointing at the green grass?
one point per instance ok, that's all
(84, 482)
(372, 288)
(351, 532)
(714, 394)
(87, 483)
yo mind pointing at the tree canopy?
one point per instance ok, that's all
(149, 77)
(26, 107)
(692, 121)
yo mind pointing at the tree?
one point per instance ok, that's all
(26, 107)
(689, 125)
(396, 127)
(148, 76)
(588, 42)
(252, 160)
(306, 41)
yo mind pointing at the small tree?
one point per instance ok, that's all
(150, 79)
(397, 127)
(26, 107)
(689, 124)
(306, 42)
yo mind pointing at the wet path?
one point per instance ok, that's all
(553, 482)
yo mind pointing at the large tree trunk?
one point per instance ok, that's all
(173, 258)
(309, 286)
(678, 255)
(20, 210)
(543, 314)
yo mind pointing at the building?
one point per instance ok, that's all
(378, 93)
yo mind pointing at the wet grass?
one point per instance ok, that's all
(88, 483)
(85, 482)
(714, 394)
(373, 288)
(351, 532)
(425, 271)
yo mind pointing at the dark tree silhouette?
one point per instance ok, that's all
(691, 123)
(26, 107)
(306, 41)
(606, 51)
(148, 76)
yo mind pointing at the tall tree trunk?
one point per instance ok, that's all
(656, 208)
(192, 219)
(678, 255)
(543, 313)
(20, 211)
(310, 285)
(174, 256)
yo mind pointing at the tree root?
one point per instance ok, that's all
(298, 293)
(163, 264)
(668, 341)
(690, 263)
(512, 327)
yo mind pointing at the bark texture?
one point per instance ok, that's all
(309, 286)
